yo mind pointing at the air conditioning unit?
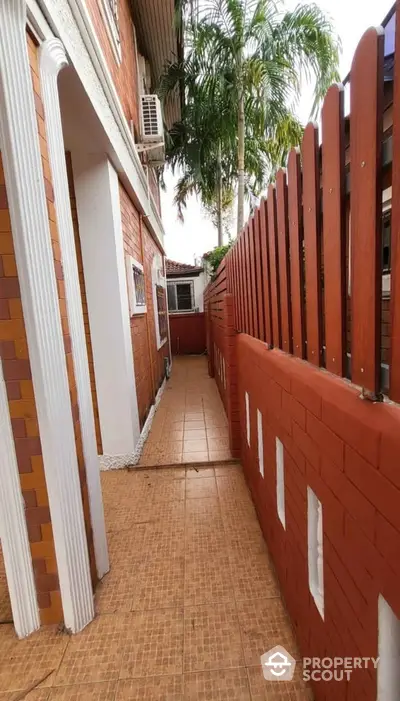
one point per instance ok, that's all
(151, 122)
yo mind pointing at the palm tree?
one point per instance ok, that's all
(267, 54)
(204, 146)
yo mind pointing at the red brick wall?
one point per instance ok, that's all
(149, 363)
(125, 74)
(188, 333)
(346, 450)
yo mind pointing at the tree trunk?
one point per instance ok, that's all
(219, 199)
(241, 125)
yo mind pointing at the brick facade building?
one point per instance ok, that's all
(83, 312)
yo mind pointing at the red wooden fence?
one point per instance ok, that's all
(297, 283)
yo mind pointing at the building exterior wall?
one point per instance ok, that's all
(346, 450)
(84, 302)
(149, 362)
(124, 74)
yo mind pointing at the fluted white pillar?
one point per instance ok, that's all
(20, 148)
(52, 60)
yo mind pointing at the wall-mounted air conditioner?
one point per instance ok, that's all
(151, 122)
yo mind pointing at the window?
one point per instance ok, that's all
(315, 550)
(136, 286)
(180, 296)
(162, 313)
(109, 11)
(280, 483)
(389, 652)
(260, 442)
(386, 233)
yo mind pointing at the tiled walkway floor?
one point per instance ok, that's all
(5, 605)
(190, 424)
(189, 605)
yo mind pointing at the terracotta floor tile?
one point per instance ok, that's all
(217, 431)
(127, 546)
(195, 425)
(154, 646)
(222, 470)
(160, 584)
(167, 688)
(188, 457)
(35, 695)
(222, 685)
(205, 542)
(5, 603)
(191, 473)
(116, 589)
(253, 577)
(103, 691)
(207, 580)
(171, 490)
(24, 662)
(217, 444)
(95, 654)
(194, 446)
(212, 638)
(198, 434)
(261, 690)
(264, 623)
(201, 488)
(216, 455)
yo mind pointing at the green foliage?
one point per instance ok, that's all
(250, 49)
(215, 257)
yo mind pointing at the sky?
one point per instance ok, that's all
(187, 241)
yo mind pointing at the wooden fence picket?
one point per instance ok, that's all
(265, 270)
(283, 259)
(334, 229)
(273, 267)
(366, 124)
(296, 252)
(259, 274)
(312, 242)
(252, 281)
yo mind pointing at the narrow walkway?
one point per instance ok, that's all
(190, 424)
(190, 604)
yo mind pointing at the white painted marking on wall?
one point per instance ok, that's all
(315, 550)
(247, 402)
(389, 652)
(260, 442)
(280, 483)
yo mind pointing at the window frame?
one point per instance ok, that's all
(182, 281)
(112, 27)
(135, 308)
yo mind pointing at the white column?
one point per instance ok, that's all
(19, 142)
(100, 228)
(52, 60)
(13, 531)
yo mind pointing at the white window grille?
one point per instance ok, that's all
(109, 11)
(136, 286)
